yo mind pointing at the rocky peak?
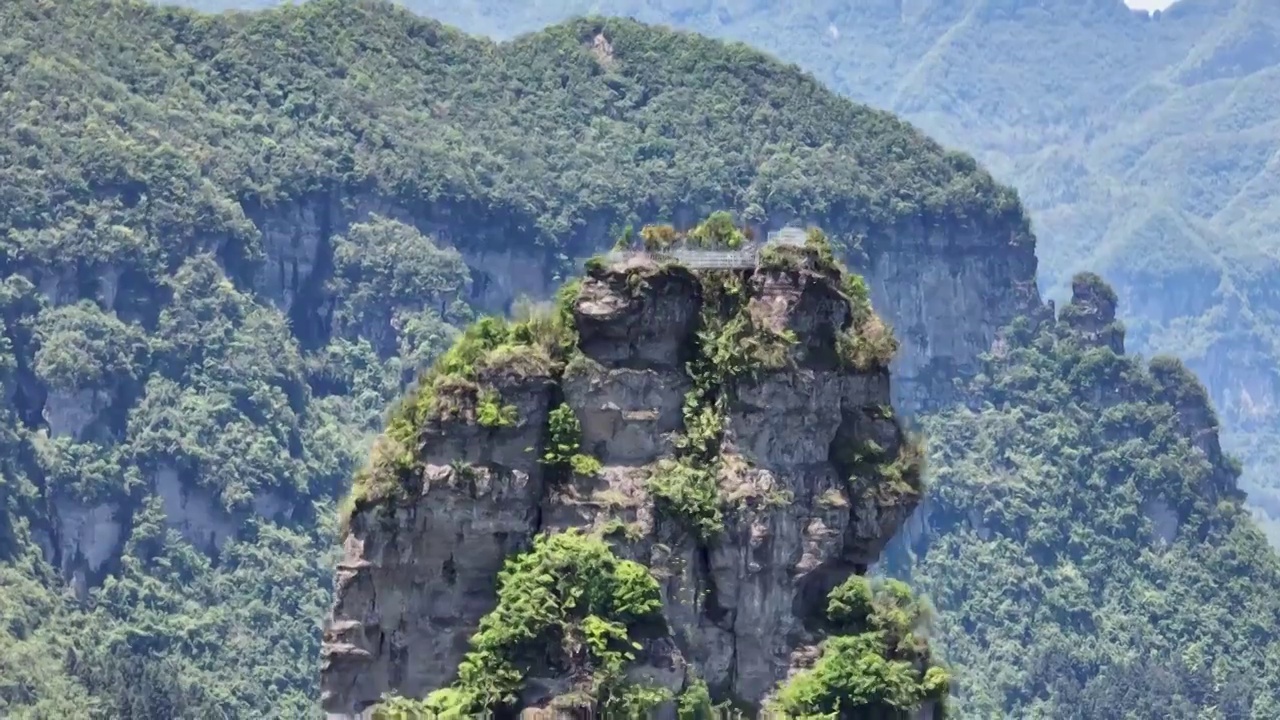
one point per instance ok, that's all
(637, 314)
(1179, 387)
(1092, 313)
(727, 431)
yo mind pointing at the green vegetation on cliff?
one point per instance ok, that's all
(877, 665)
(1087, 549)
(569, 604)
(1097, 115)
(569, 613)
(228, 241)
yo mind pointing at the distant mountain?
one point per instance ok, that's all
(1146, 147)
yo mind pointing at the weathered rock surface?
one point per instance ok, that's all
(948, 291)
(69, 413)
(418, 575)
(193, 511)
(88, 537)
(416, 579)
(1092, 313)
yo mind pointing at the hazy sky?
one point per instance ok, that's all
(1149, 4)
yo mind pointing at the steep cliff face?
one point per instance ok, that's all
(949, 289)
(734, 435)
(946, 288)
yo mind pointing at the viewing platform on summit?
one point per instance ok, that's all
(742, 258)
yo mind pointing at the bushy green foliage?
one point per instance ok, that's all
(849, 604)
(1092, 285)
(688, 490)
(491, 413)
(634, 700)
(395, 707)
(83, 348)
(569, 602)
(564, 435)
(1097, 549)
(718, 230)
(533, 346)
(658, 237)
(694, 702)
(871, 347)
(877, 666)
(904, 473)
(564, 443)
(786, 258)
(395, 286)
(737, 347)
(585, 465)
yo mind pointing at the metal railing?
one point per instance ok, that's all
(716, 259)
(745, 258)
(711, 259)
(696, 259)
(788, 236)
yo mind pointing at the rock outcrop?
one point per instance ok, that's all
(948, 290)
(1088, 343)
(811, 472)
(1091, 314)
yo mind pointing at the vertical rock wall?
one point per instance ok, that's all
(418, 574)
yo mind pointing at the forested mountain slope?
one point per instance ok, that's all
(227, 242)
(1084, 540)
(1146, 147)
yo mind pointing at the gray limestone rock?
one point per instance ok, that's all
(419, 573)
(88, 535)
(193, 511)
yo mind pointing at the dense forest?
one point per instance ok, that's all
(228, 242)
(1086, 544)
(1144, 145)
(217, 279)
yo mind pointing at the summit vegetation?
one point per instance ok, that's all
(1087, 548)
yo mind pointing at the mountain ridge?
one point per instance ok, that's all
(230, 240)
(1113, 136)
(208, 310)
